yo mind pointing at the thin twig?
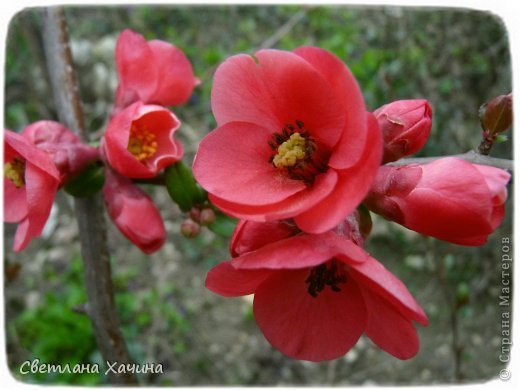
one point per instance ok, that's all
(456, 345)
(269, 42)
(89, 211)
(284, 29)
(470, 156)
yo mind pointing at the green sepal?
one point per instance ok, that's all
(223, 226)
(87, 183)
(182, 187)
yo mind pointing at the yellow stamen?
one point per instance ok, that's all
(142, 143)
(290, 152)
(15, 171)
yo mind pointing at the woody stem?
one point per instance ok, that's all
(89, 211)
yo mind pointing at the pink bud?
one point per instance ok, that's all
(190, 228)
(405, 125)
(133, 212)
(70, 155)
(195, 214)
(449, 199)
(207, 217)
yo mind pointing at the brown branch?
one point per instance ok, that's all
(89, 211)
(470, 156)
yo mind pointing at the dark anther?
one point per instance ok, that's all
(290, 127)
(321, 276)
(278, 138)
(272, 145)
(299, 124)
(285, 133)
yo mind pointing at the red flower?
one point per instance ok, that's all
(139, 141)
(294, 139)
(449, 199)
(66, 149)
(133, 212)
(151, 71)
(30, 184)
(316, 294)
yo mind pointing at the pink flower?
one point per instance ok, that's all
(30, 184)
(151, 71)
(294, 139)
(139, 141)
(405, 125)
(66, 149)
(449, 199)
(134, 213)
(315, 295)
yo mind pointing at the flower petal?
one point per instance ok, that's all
(137, 70)
(372, 274)
(227, 281)
(22, 237)
(301, 251)
(157, 119)
(305, 327)
(287, 208)
(388, 328)
(163, 123)
(249, 235)
(279, 88)
(345, 87)
(174, 72)
(353, 185)
(225, 151)
(41, 190)
(15, 202)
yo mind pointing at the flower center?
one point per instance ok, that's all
(15, 172)
(142, 143)
(327, 274)
(295, 152)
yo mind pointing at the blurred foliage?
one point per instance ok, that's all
(455, 58)
(54, 333)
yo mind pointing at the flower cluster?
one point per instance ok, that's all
(298, 159)
(138, 143)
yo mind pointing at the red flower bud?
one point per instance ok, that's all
(496, 115)
(139, 140)
(134, 213)
(449, 199)
(405, 125)
(70, 155)
(151, 71)
(30, 184)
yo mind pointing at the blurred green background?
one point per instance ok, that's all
(455, 58)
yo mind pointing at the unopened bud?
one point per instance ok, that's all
(496, 116)
(405, 125)
(195, 214)
(207, 217)
(190, 228)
